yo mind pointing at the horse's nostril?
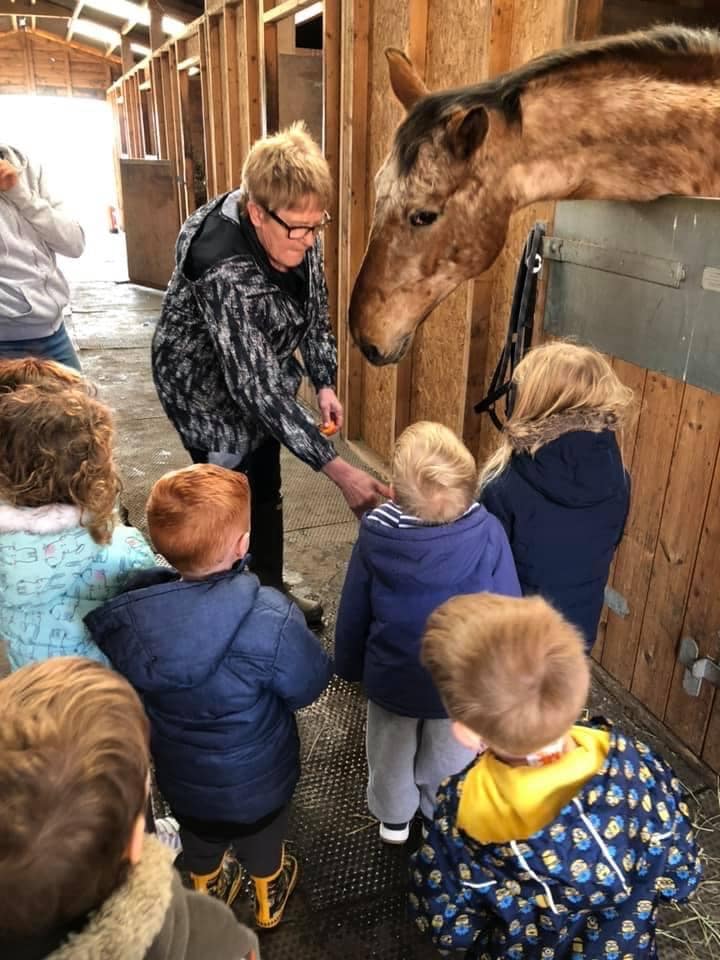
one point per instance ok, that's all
(371, 352)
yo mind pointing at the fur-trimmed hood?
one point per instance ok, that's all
(531, 436)
(150, 917)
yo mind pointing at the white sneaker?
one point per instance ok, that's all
(396, 833)
(167, 830)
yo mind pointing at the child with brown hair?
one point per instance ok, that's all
(78, 877)
(61, 550)
(221, 664)
(561, 839)
(22, 370)
(432, 541)
(557, 482)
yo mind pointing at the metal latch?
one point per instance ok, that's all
(697, 668)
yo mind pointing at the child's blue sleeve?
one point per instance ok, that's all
(301, 669)
(127, 551)
(683, 867)
(353, 619)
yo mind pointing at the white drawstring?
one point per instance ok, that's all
(526, 866)
(479, 886)
(601, 843)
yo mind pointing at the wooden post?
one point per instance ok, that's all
(352, 192)
(126, 54)
(157, 37)
(235, 131)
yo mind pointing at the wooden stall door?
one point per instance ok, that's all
(151, 220)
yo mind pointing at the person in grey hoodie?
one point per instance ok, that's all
(34, 227)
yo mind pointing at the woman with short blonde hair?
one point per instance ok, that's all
(247, 295)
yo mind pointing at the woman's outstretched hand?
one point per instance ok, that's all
(361, 491)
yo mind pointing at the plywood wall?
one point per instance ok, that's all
(45, 65)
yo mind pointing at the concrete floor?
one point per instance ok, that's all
(350, 902)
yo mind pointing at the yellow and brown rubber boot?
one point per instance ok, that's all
(272, 893)
(223, 883)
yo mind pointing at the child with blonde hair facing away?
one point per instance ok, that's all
(61, 550)
(557, 482)
(221, 664)
(562, 838)
(432, 541)
(78, 877)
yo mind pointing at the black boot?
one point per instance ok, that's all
(266, 557)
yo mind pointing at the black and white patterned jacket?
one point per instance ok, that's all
(223, 351)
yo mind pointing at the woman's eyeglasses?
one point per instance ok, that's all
(299, 231)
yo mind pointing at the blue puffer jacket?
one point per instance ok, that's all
(564, 512)
(399, 573)
(585, 887)
(221, 665)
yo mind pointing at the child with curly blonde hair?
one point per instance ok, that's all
(61, 550)
(557, 482)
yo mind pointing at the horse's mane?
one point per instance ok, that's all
(503, 92)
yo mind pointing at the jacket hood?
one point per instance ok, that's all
(44, 551)
(174, 633)
(425, 555)
(577, 469)
(124, 927)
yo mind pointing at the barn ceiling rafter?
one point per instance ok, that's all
(101, 25)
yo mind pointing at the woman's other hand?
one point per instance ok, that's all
(331, 409)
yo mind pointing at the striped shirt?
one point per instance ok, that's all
(390, 515)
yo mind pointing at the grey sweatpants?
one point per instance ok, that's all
(407, 759)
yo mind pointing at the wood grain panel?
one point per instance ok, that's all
(390, 27)
(683, 511)
(455, 56)
(688, 716)
(659, 414)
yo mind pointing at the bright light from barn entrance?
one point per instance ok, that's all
(72, 139)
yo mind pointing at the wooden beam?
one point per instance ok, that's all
(128, 60)
(287, 9)
(157, 37)
(188, 62)
(352, 193)
(73, 19)
(234, 132)
(73, 45)
(28, 62)
(42, 8)
(270, 76)
(13, 20)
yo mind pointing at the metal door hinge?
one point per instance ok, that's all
(697, 668)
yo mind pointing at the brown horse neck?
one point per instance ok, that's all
(613, 138)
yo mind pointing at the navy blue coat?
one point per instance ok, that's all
(564, 511)
(397, 576)
(220, 665)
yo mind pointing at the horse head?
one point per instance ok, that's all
(441, 213)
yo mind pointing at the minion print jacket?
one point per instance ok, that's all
(585, 887)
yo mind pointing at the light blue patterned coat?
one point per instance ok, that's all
(52, 573)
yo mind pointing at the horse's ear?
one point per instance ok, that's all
(404, 79)
(465, 130)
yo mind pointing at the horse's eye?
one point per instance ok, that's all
(422, 218)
